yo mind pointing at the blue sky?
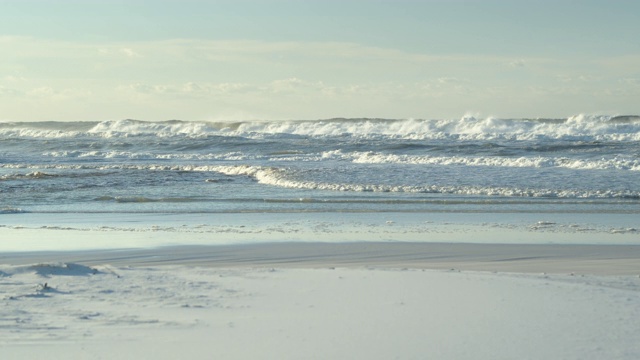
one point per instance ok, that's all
(213, 60)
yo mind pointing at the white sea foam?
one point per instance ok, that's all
(124, 128)
(369, 157)
(538, 161)
(31, 175)
(130, 155)
(11, 210)
(580, 127)
(279, 177)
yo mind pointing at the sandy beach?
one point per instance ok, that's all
(525, 258)
(319, 301)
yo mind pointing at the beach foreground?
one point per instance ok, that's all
(319, 301)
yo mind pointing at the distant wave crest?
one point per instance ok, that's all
(368, 157)
(538, 161)
(622, 128)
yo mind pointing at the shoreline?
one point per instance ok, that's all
(518, 258)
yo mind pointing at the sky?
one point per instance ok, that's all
(95, 60)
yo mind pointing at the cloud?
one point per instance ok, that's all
(190, 76)
(588, 78)
(4, 91)
(564, 78)
(630, 81)
(226, 51)
(48, 93)
(452, 80)
(517, 63)
(117, 51)
(129, 53)
(188, 89)
(295, 85)
(294, 89)
(14, 79)
(625, 62)
(290, 86)
(44, 91)
(583, 78)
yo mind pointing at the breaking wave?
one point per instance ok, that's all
(618, 162)
(282, 177)
(495, 161)
(31, 175)
(11, 210)
(279, 177)
(579, 127)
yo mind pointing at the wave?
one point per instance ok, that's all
(285, 178)
(494, 161)
(129, 155)
(45, 129)
(279, 177)
(11, 210)
(594, 127)
(31, 175)
(370, 157)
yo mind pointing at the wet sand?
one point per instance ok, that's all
(528, 258)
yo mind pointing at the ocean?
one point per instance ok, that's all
(578, 165)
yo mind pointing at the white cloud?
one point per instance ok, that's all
(47, 93)
(630, 81)
(290, 87)
(517, 63)
(295, 85)
(41, 91)
(578, 78)
(4, 91)
(129, 52)
(452, 80)
(187, 78)
(14, 79)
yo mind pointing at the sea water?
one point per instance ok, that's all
(582, 165)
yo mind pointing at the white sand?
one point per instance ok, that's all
(285, 301)
(320, 286)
